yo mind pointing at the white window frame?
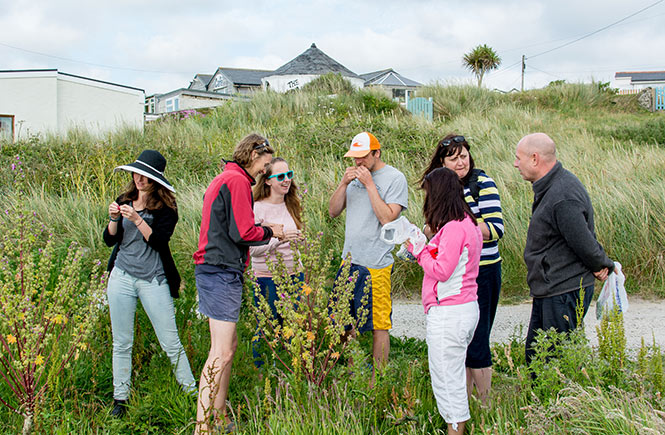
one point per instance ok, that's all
(9, 134)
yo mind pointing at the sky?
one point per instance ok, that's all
(160, 45)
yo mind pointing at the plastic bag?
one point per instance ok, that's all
(400, 230)
(613, 293)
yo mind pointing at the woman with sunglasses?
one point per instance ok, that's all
(480, 192)
(450, 264)
(276, 201)
(227, 231)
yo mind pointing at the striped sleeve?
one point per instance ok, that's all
(489, 207)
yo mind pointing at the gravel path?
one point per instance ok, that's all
(643, 319)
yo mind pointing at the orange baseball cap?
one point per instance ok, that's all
(362, 144)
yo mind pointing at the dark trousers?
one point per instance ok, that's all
(478, 354)
(558, 312)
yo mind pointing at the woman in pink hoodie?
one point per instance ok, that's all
(450, 262)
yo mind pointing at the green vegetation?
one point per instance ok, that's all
(615, 149)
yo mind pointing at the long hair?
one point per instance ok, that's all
(262, 191)
(444, 199)
(158, 195)
(242, 154)
(441, 152)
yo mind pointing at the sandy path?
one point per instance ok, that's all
(643, 319)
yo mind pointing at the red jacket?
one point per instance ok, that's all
(227, 223)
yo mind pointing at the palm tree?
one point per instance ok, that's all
(481, 60)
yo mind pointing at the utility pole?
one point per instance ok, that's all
(523, 68)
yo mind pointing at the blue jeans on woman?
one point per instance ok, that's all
(123, 292)
(269, 291)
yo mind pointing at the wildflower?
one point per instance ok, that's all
(310, 336)
(255, 338)
(335, 355)
(39, 360)
(306, 289)
(11, 338)
(288, 333)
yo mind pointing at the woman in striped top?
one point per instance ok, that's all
(481, 194)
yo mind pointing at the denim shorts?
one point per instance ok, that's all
(220, 292)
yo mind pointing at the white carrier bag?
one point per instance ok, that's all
(613, 293)
(400, 230)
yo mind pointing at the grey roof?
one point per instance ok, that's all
(642, 76)
(388, 77)
(202, 79)
(242, 76)
(194, 93)
(315, 62)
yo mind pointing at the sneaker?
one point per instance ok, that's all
(119, 408)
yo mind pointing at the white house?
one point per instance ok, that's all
(626, 80)
(395, 85)
(49, 101)
(306, 67)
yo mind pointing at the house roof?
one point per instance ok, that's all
(204, 78)
(315, 62)
(642, 76)
(194, 93)
(388, 77)
(243, 76)
(54, 70)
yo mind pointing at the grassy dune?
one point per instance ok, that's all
(615, 148)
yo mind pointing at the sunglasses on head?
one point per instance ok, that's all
(280, 177)
(260, 146)
(455, 139)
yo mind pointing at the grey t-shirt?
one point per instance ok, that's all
(135, 256)
(361, 237)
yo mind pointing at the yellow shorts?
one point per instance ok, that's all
(380, 303)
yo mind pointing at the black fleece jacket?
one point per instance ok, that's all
(163, 224)
(561, 250)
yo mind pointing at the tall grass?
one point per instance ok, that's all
(72, 180)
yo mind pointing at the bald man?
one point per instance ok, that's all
(561, 252)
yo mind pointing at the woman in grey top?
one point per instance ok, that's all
(141, 222)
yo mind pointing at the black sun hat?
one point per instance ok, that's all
(150, 164)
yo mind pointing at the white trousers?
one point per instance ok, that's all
(450, 329)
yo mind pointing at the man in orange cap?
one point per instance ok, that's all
(373, 194)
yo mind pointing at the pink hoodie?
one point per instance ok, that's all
(450, 261)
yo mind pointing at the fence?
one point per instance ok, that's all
(421, 106)
(659, 98)
(629, 91)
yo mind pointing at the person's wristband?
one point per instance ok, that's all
(139, 224)
(114, 220)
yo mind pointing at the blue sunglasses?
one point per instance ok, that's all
(280, 177)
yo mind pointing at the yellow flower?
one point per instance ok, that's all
(306, 289)
(288, 333)
(11, 339)
(310, 336)
(21, 316)
(39, 360)
(335, 355)
(58, 319)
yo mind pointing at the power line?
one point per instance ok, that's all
(95, 64)
(597, 31)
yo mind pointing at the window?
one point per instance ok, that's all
(173, 104)
(399, 93)
(7, 128)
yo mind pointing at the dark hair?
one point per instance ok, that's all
(262, 191)
(441, 152)
(158, 195)
(242, 154)
(444, 199)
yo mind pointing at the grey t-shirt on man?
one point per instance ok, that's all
(361, 237)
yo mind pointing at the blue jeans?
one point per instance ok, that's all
(122, 293)
(269, 291)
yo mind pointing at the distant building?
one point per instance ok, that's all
(638, 79)
(184, 99)
(395, 85)
(49, 101)
(306, 67)
(236, 80)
